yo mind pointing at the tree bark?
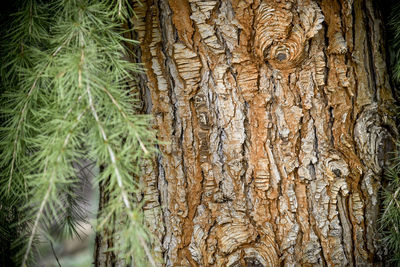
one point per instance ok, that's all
(276, 126)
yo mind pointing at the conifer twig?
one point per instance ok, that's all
(142, 146)
(23, 111)
(45, 131)
(48, 191)
(35, 225)
(119, 8)
(391, 201)
(113, 160)
(110, 151)
(54, 253)
(117, 173)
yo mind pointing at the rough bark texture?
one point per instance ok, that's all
(276, 122)
(104, 240)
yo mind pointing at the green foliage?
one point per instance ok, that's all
(394, 23)
(64, 79)
(390, 218)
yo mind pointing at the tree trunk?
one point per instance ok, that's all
(276, 123)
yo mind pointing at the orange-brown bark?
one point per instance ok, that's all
(276, 122)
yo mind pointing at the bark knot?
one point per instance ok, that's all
(283, 29)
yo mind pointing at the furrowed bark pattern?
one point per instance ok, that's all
(103, 257)
(273, 117)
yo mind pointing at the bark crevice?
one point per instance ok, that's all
(273, 130)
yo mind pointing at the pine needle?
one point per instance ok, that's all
(64, 75)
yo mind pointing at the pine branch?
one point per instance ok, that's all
(125, 116)
(113, 158)
(110, 151)
(390, 218)
(393, 198)
(39, 213)
(50, 130)
(26, 31)
(54, 253)
(23, 114)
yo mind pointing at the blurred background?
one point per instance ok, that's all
(75, 251)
